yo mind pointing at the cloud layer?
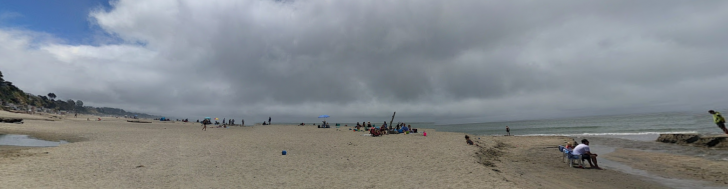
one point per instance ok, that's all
(428, 60)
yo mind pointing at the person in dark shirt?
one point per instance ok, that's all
(467, 140)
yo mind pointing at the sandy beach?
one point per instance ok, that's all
(113, 153)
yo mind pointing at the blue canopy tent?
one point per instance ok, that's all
(323, 116)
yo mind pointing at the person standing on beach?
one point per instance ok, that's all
(719, 120)
(508, 130)
(268, 120)
(204, 124)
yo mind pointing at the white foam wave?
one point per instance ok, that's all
(614, 134)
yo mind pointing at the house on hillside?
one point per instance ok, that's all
(11, 106)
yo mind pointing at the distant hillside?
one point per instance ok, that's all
(115, 112)
(12, 97)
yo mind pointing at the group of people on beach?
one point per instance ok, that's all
(384, 129)
(224, 124)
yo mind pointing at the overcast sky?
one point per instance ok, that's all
(428, 60)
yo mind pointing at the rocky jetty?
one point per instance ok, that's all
(717, 141)
(11, 120)
(136, 121)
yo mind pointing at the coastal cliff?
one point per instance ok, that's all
(717, 141)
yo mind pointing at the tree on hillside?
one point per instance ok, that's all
(1, 77)
(79, 103)
(52, 96)
(71, 104)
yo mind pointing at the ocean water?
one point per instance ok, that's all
(637, 124)
(636, 131)
(25, 140)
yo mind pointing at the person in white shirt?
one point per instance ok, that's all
(583, 150)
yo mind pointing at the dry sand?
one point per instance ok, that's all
(113, 153)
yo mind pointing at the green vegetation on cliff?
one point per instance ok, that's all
(10, 94)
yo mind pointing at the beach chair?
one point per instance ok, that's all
(563, 158)
(573, 157)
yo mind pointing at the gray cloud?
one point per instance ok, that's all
(427, 60)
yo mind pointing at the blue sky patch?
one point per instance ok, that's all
(67, 19)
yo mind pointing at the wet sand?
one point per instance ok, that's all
(113, 153)
(674, 166)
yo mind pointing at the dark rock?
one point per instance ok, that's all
(695, 140)
(10, 120)
(678, 138)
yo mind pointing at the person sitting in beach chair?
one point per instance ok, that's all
(374, 132)
(412, 130)
(583, 150)
(569, 146)
(405, 129)
(383, 130)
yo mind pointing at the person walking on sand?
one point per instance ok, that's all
(583, 150)
(719, 120)
(268, 120)
(204, 124)
(508, 130)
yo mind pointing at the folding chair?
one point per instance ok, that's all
(563, 158)
(573, 157)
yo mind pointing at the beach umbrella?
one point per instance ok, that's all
(324, 116)
(208, 118)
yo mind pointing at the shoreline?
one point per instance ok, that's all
(179, 155)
